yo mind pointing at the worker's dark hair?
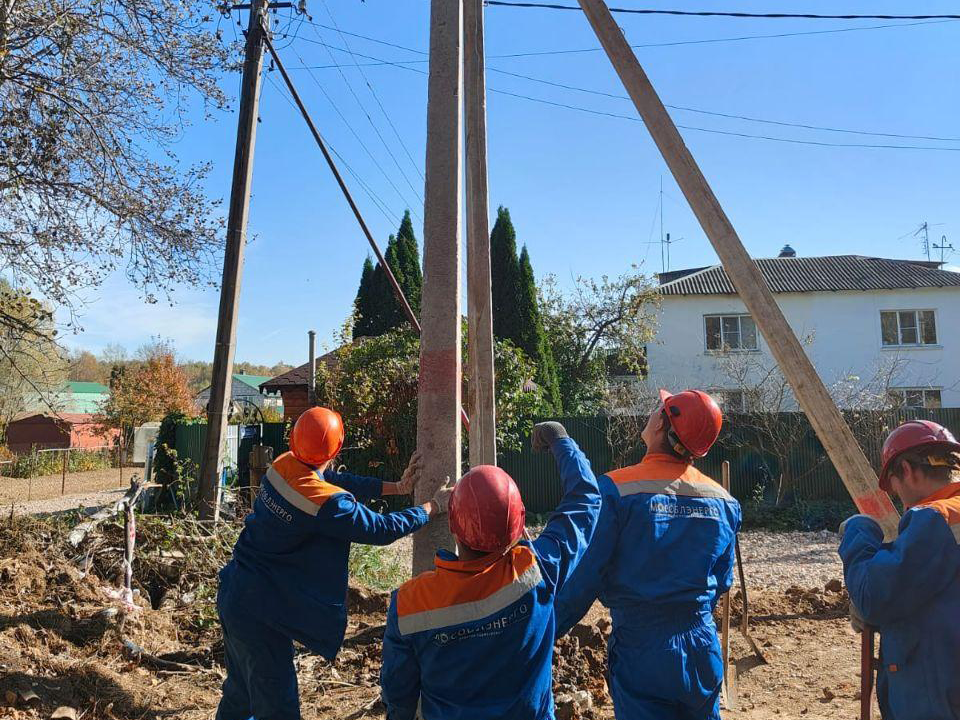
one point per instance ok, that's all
(938, 464)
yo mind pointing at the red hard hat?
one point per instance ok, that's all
(913, 435)
(317, 436)
(486, 512)
(695, 419)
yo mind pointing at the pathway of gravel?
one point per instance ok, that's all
(776, 561)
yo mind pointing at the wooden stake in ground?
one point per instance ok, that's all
(218, 409)
(482, 408)
(438, 407)
(852, 465)
(725, 623)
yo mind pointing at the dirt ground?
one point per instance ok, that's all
(78, 484)
(62, 638)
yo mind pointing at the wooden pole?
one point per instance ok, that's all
(481, 403)
(725, 623)
(226, 343)
(866, 672)
(841, 445)
(438, 407)
(312, 380)
(63, 478)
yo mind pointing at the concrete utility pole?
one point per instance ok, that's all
(841, 445)
(438, 408)
(218, 408)
(312, 380)
(481, 403)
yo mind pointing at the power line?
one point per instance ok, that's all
(633, 118)
(353, 131)
(363, 109)
(731, 116)
(373, 92)
(716, 13)
(378, 202)
(673, 43)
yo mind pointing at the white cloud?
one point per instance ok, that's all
(119, 315)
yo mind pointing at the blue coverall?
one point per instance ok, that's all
(910, 590)
(288, 580)
(662, 555)
(473, 640)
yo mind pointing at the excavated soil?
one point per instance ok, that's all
(65, 640)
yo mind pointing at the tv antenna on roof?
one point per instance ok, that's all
(942, 247)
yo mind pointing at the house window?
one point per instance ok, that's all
(731, 401)
(730, 332)
(926, 398)
(908, 327)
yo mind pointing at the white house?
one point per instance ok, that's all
(897, 321)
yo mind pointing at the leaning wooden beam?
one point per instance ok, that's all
(481, 403)
(839, 442)
(438, 407)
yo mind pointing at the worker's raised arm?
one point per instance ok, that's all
(399, 671)
(345, 518)
(571, 527)
(577, 595)
(888, 581)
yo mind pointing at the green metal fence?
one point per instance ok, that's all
(752, 471)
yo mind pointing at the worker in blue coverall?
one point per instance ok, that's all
(473, 639)
(288, 577)
(662, 555)
(910, 588)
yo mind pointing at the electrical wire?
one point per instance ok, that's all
(354, 132)
(730, 133)
(673, 43)
(373, 92)
(717, 13)
(730, 116)
(346, 80)
(378, 202)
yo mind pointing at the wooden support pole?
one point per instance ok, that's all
(725, 620)
(226, 343)
(438, 407)
(841, 445)
(482, 401)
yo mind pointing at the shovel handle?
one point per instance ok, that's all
(866, 672)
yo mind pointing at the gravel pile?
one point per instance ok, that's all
(777, 561)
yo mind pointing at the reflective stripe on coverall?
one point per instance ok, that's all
(474, 640)
(662, 555)
(288, 580)
(910, 590)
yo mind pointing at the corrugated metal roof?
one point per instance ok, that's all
(81, 386)
(831, 273)
(254, 381)
(297, 376)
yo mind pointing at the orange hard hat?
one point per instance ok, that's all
(486, 511)
(914, 435)
(695, 420)
(317, 436)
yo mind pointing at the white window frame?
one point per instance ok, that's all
(723, 347)
(902, 391)
(919, 344)
(722, 396)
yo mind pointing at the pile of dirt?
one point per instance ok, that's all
(580, 671)
(830, 601)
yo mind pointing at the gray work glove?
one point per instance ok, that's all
(545, 434)
(843, 525)
(441, 498)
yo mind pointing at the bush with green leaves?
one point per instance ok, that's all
(374, 383)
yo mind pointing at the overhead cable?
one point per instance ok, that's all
(633, 118)
(717, 13)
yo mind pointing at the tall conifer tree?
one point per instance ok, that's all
(505, 276)
(366, 311)
(532, 338)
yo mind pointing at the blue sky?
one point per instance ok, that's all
(583, 189)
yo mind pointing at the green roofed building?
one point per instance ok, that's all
(245, 391)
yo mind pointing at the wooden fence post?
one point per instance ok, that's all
(63, 478)
(259, 460)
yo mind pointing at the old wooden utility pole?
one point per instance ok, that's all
(438, 407)
(481, 403)
(836, 437)
(219, 406)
